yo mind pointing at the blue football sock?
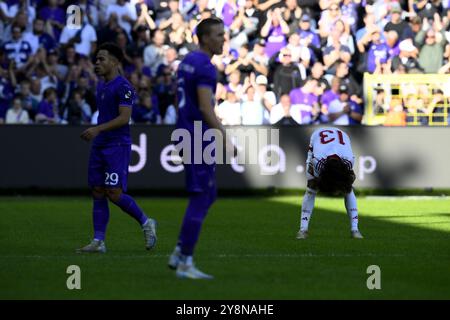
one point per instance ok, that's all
(100, 214)
(128, 205)
(192, 223)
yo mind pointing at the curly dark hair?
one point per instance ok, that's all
(113, 49)
(336, 177)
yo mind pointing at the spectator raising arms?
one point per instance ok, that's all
(432, 41)
(275, 30)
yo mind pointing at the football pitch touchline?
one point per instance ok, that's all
(264, 255)
(406, 197)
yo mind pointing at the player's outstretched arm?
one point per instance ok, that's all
(121, 120)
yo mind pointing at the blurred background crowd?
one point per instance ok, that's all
(284, 61)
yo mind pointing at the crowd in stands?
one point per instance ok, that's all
(284, 61)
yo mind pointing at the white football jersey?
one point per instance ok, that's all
(326, 142)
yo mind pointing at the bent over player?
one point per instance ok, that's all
(111, 149)
(329, 170)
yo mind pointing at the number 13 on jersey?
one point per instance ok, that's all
(327, 136)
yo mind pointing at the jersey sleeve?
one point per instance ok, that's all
(126, 95)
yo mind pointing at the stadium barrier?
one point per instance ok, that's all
(407, 99)
(54, 157)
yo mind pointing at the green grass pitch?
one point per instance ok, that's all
(248, 244)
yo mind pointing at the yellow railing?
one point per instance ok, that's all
(419, 99)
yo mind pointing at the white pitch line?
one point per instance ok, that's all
(308, 255)
(222, 256)
(407, 197)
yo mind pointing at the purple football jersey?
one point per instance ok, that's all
(228, 13)
(196, 70)
(275, 41)
(377, 50)
(111, 95)
(305, 102)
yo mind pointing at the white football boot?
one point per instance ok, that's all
(302, 235)
(355, 234)
(149, 229)
(186, 271)
(96, 246)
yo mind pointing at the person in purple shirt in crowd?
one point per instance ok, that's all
(55, 15)
(229, 11)
(327, 97)
(305, 107)
(111, 150)
(274, 30)
(48, 108)
(376, 49)
(196, 86)
(393, 44)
